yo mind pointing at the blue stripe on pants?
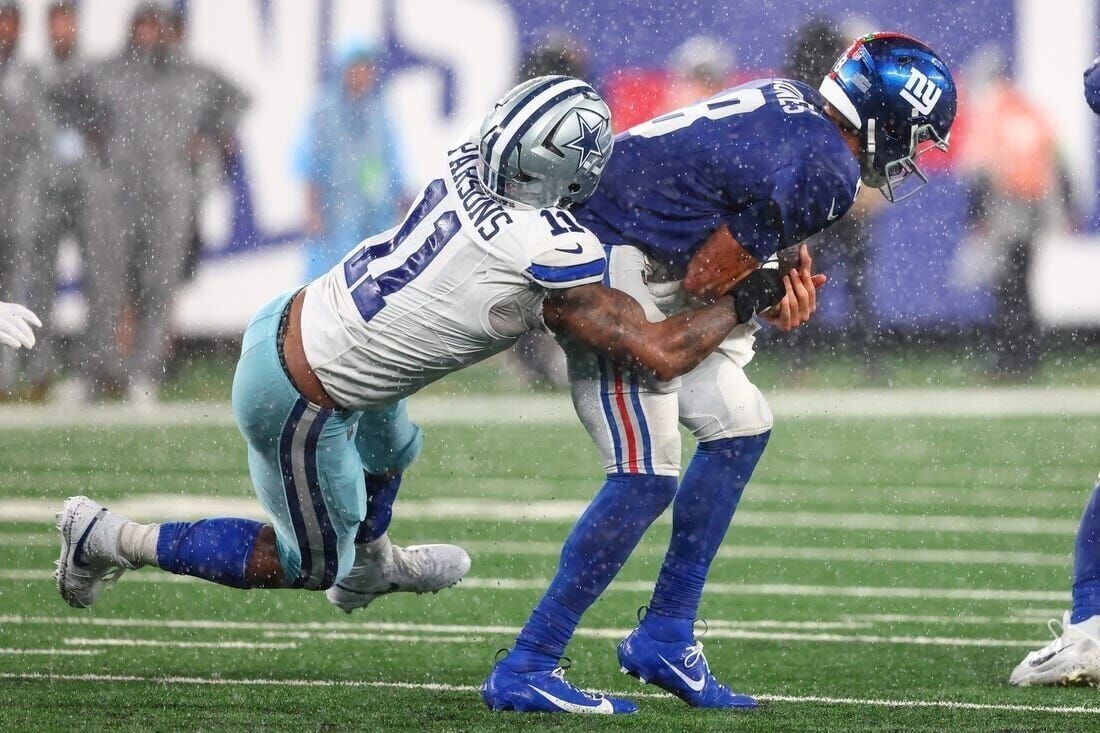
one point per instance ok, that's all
(328, 534)
(313, 528)
(286, 440)
(647, 446)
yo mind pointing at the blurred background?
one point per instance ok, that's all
(168, 167)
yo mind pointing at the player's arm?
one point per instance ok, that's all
(613, 324)
(717, 265)
(722, 261)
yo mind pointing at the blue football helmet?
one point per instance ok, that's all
(900, 98)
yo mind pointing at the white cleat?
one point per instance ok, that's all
(1073, 658)
(382, 567)
(89, 559)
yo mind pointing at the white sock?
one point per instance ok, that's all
(137, 543)
(1090, 626)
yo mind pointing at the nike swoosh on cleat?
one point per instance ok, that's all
(575, 251)
(695, 685)
(604, 708)
(1048, 657)
(79, 549)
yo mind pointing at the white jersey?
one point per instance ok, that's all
(461, 279)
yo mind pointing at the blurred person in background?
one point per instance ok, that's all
(349, 161)
(537, 359)
(152, 124)
(1017, 185)
(700, 67)
(223, 103)
(848, 242)
(556, 54)
(22, 120)
(69, 184)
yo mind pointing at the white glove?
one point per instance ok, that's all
(15, 325)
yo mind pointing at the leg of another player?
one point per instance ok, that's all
(733, 423)
(307, 476)
(387, 443)
(1086, 567)
(701, 514)
(1073, 657)
(97, 546)
(633, 421)
(597, 547)
(231, 551)
(633, 424)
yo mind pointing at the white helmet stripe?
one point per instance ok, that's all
(521, 119)
(834, 94)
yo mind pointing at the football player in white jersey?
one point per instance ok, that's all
(485, 253)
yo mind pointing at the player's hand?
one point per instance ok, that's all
(15, 325)
(800, 301)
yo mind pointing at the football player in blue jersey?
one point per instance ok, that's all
(1073, 657)
(691, 201)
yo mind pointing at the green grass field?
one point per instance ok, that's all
(881, 575)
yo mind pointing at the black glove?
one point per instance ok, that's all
(762, 289)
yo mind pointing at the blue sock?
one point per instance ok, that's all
(1086, 562)
(212, 549)
(701, 514)
(599, 544)
(381, 494)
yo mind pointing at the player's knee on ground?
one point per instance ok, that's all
(718, 401)
(387, 440)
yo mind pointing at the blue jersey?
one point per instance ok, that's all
(1092, 86)
(761, 158)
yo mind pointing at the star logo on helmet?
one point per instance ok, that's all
(588, 142)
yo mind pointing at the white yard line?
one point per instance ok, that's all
(372, 636)
(714, 632)
(49, 652)
(763, 630)
(1029, 618)
(533, 409)
(438, 687)
(181, 644)
(793, 589)
(645, 586)
(730, 552)
(26, 575)
(158, 507)
(822, 554)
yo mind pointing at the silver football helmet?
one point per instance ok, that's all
(545, 143)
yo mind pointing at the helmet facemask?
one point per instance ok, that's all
(901, 177)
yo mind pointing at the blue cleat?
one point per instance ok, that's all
(678, 667)
(545, 692)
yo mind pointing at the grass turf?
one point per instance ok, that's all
(836, 643)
